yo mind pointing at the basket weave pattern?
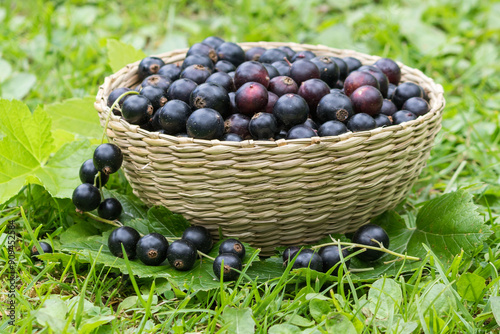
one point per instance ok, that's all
(276, 193)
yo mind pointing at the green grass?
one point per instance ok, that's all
(63, 45)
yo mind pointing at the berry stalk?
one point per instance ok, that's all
(132, 92)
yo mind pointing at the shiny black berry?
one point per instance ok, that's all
(108, 158)
(254, 53)
(203, 50)
(238, 124)
(210, 95)
(390, 68)
(149, 66)
(200, 237)
(302, 70)
(126, 236)
(402, 116)
(110, 209)
(272, 55)
(251, 71)
(328, 70)
(152, 249)
(114, 95)
(231, 137)
(181, 254)
(181, 89)
(332, 128)
(172, 117)
(334, 107)
(137, 109)
(300, 55)
(283, 67)
(282, 85)
(88, 174)
(222, 79)
(416, 105)
(204, 61)
(405, 91)
(155, 95)
(271, 101)
(364, 236)
(308, 259)
(312, 91)
(232, 246)
(46, 248)
(86, 197)
(331, 257)
(231, 52)
(388, 108)
(288, 50)
(352, 63)
(343, 68)
(290, 110)
(224, 66)
(382, 120)
(289, 254)
(197, 73)
(367, 99)
(157, 81)
(263, 126)
(357, 79)
(205, 123)
(226, 263)
(361, 122)
(213, 41)
(271, 70)
(300, 131)
(171, 71)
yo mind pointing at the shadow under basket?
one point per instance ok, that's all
(276, 193)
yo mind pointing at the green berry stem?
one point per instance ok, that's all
(205, 255)
(132, 92)
(102, 220)
(381, 249)
(99, 182)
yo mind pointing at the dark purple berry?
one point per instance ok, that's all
(110, 209)
(302, 70)
(289, 254)
(213, 41)
(332, 128)
(231, 137)
(205, 123)
(388, 108)
(137, 109)
(232, 102)
(108, 158)
(251, 98)
(224, 66)
(263, 126)
(88, 174)
(334, 107)
(416, 105)
(251, 71)
(367, 99)
(171, 71)
(390, 90)
(343, 68)
(200, 237)
(352, 63)
(203, 50)
(312, 91)
(231, 52)
(288, 50)
(366, 235)
(198, 60)
(271, 101)
(152, 249)
(272, 55)
(290, 110)
(283, 67)
(181, 89)
(232, 246)
(254, 53)
(328, 70)
(361, 122)
(405, 91)
(226, 263)
(300, 131)
(114, 95)
(86, 197)
(197, 73)
(310, 123)
(402, 116)
(157, 80)
(155, 95)
(172, 117)
(210, 95)
(222, 79)
(271, 70)
(383, 82)
(149, 66)
(382, 120)
(357, 79)
(390, 68)
(282, 85)
(301, 55)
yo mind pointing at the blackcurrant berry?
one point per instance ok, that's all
(390, 90)
(155, 95)
(302, 70)
(224, 66)
(382, 120)
(388, 108)
(364, 236)
(251, 71)
(231, 52)
(383, 82)
(181, 254)
(416, 105)
(232, 246)
(137, 109)
(288, 50)
(110, 209)
(231, 137)
(126, 236)
(226, 263)
(205, 123)
(203, 50)
(332, 128)
(157, 81)
(402, 116)
(308, 259)
(263, 126)
(238, 124)
(361, 122)
(254, 53)
(290, 110)
(149, 66)
(310, 123)
(331, 257)
(390, 68)
(171, 71)
(352, 63)
(271, 70)
(312, 91)
(328, 70)
(197, 73)
(210, 95)
(213, 41)
(204, 61)
(282, 85)
(222, 79)
(152, 249)
(172, 117)
(343, 68)
(200, 237)
(46, 248)
(181, 89)
(88, 174)
(300, 131)
(283, 67)
(357, 79)
(251, 98)
(289, 254)
(334, 107)
(405, 91)
(115, 94)
(299, 55)
(86, 197)
(108, 158)
(271, 101)
(272, 55)
(367, 99)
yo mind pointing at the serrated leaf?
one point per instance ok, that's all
(471, 287)
(18, 86)
(239, 321)
(132, 207)
(76, 116)
(25, 153)
(121, 54)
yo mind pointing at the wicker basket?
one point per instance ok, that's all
(276, 193)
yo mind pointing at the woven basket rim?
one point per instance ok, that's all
(434, 90)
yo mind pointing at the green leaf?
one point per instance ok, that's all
(25, 153)
(78, 231)
(471, 287)
(495, 307)
(319, 309)
(384, 295)
(53, 313)
(132, 207)
(438, 297)
(18, 86)
(339, 323)
(76, 116)
(300, 321)
(239, 321)
(121, 54)
(5, 70)
(284, 329)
